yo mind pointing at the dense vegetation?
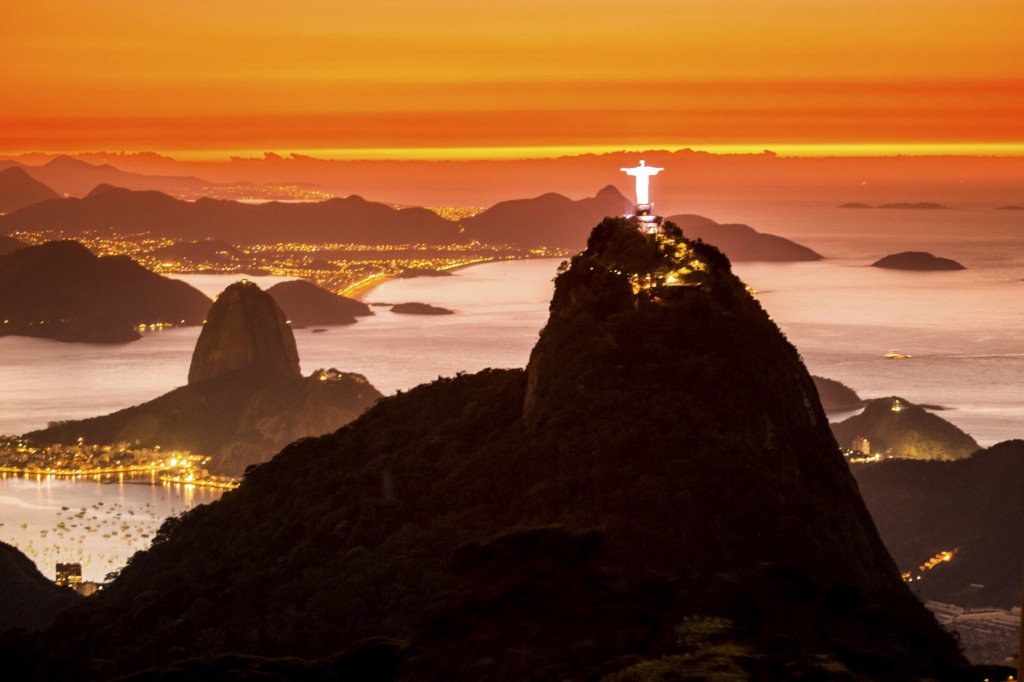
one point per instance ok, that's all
(973, 506)
(29, 599)
(657, 497)
(909, 432)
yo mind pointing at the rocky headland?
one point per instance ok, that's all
(305, 304)
(60, 290)
(245, 398)
(896, 427)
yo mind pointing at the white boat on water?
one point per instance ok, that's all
(896, 355)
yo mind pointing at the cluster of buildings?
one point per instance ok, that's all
(70, 575)
(22, 457)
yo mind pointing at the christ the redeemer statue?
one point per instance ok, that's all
(643, 174)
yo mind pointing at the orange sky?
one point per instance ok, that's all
(449, 77)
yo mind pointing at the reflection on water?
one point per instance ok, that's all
(97, 522)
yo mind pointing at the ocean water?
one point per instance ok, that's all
(964, 331)
(99, 523)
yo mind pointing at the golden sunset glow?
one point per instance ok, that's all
(457, 79)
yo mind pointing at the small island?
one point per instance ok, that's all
(916, 260)
(420, 309)
(1011, 207)
(926, 205)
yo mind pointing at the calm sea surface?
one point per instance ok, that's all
(965, 331)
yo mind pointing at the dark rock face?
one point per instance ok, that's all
(29, 600)
(742, 242)
(909, 431)
(60, 290)
(660, 488)
(305, 304)
(19, 189)
(972, 506)
(245, 330)
(916, 260)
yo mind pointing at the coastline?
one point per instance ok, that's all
(364, 286)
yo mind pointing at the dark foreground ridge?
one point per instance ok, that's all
(657, 497)
(29, 599)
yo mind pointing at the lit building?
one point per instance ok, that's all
(862, 445)
(69, 575)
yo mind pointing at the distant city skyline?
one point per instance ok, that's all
(454, 79)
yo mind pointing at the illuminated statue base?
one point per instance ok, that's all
(645, 220)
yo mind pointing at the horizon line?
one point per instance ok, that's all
(540, 152)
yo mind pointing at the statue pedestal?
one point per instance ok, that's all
(645, 219)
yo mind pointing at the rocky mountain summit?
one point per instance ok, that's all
(245, 398)
(244, 330)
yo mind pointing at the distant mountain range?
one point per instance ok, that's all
(60, 290)
(549, 220)
(18, 189)
(66, 175)
(351, 220)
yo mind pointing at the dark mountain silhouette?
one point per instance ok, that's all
(67, 175)
(305, 304)
(547, 220)
(245, 397)
(60, 290)
(245, 330)
(352, 219)
(916, 260)
(645, 499)
(836, 396)
(972, 505)
(29, 600)
(19, 189)
(742, 242)
(898, 428)
(8, 244)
